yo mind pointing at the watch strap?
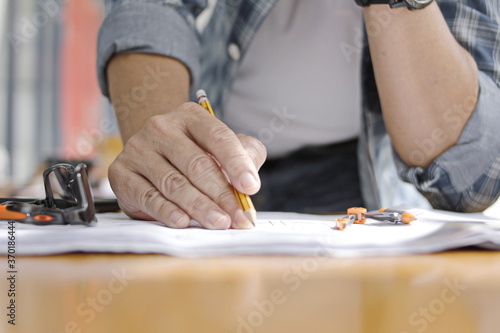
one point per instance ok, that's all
(392, 3)
(365, 3)
(410, 4)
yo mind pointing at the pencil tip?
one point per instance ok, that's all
(251, 215)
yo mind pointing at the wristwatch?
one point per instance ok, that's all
(410, 4)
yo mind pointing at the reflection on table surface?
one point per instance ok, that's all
(455, 291)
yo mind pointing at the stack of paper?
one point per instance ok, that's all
(275, 233)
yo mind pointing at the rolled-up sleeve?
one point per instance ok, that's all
(466, 177)
(164, 27)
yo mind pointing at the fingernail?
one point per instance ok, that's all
(218, 220)
(249, 182)
(240, 221)
(179, 219)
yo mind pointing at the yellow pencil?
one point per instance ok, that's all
(243, 199)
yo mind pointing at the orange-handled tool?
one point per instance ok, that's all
(404, 216)
(358, 215)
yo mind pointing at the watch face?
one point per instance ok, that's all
(418, 4)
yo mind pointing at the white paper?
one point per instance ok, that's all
(275, 233)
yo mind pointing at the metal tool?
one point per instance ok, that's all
(68, 199)
(358, 215)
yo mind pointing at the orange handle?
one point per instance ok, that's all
(406, 217)
(6, 214)
(359, 212)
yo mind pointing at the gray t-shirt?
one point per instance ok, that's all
(297, 78)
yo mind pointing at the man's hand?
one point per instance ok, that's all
(178, 160)
(169, 170)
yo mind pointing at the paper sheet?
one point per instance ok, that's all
(275, 233)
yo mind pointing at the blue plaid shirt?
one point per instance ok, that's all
(466, 177)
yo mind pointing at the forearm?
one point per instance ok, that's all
(421, 73)
(144, 85)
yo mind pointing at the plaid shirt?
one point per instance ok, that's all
(466, 177)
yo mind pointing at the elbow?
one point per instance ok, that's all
(474, 199)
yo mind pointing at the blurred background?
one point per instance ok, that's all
(51, 108)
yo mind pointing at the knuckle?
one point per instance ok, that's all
(164, 209)
(220, 134)
(172, 182)
(155, 123)
(189, 107)
(225, 198)
(235, 163)
(116, 174)
(132, 147)
(200, 165)
(196, 202)
(259, 147)
(258, 152)
(255, 144)
(254, 147)
(130, 209)
(159, 126)
(146, 197)
(114, 168)
(244, 139)
(187, 113)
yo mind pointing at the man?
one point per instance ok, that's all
(430, 76)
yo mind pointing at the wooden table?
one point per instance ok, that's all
(449, 292)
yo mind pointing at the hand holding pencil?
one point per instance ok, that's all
(186, 164)
(244, 200)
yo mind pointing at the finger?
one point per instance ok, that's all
(211, 202)
(148, 202)
(199, 168)
(167, 179)
(255, 149)
(216, 138)
(132, 212)
(204, 172)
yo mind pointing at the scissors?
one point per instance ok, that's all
(68, 199)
